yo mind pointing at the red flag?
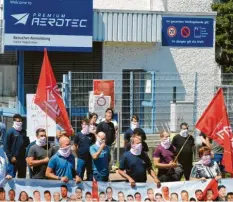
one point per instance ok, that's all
(213, 185)
(215, 124)
(48, 96)
(95, 194)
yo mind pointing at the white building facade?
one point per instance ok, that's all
(127, 35)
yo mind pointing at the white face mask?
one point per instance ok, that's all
(41, 141)
(65, 151)
(17, 125)
(136, 149)
(98, 142)
(133, 125)
(206, 160)
(184, 133)
(166, 143)
(85, 129)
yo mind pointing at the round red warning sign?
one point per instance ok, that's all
(101, 101)
(171, 31)
(185, 32)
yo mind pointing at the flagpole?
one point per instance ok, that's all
(184, 145)
(47, 135)
(169, 132)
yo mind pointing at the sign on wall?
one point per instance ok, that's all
(187, 32)
(99, 104)
(106, 88)
(36, 118)
(59, 25)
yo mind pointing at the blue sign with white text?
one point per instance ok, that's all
(58, 25)
(187, 32)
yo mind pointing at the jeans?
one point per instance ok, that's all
(19, 167)
(100, 178)
(218, 159)
(173, 176)
(82, 165)
(112, 153)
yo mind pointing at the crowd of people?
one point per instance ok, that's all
(94, 148)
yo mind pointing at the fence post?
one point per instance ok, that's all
(118, 138)
(70, 94)
(131, 94)
(195, 100)
(65, 89)
(153, 103)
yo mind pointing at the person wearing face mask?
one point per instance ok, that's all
(129, 132)
(39, 154)
(164, 155)
(100, 153)
(109, 127)
(205, 168)
(61, 165)
(15, 144)
(140, 132)
(92, 122)
(82, 142)
(135, 163)
(185, 157)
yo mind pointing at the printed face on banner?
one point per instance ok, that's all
(105, 87)
(174, 191)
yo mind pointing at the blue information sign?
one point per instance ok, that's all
(58, 25)
(188, 32)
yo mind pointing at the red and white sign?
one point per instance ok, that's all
(99, 104)
(171, 31)
(105, 88)
(185, 32)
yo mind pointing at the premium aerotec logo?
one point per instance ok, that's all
(49, 20)
(22, 18)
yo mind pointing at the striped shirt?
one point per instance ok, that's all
(209, 172)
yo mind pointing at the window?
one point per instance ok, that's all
(8, 80)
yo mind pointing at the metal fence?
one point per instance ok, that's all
(227, 85)
(161, 101)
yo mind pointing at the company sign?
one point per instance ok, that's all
(59, 25)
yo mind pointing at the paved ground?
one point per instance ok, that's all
(117, 177)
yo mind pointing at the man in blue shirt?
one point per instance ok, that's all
(15, 144)
(82, 141)
(136, 163)
(100, 153)
(61, 165)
